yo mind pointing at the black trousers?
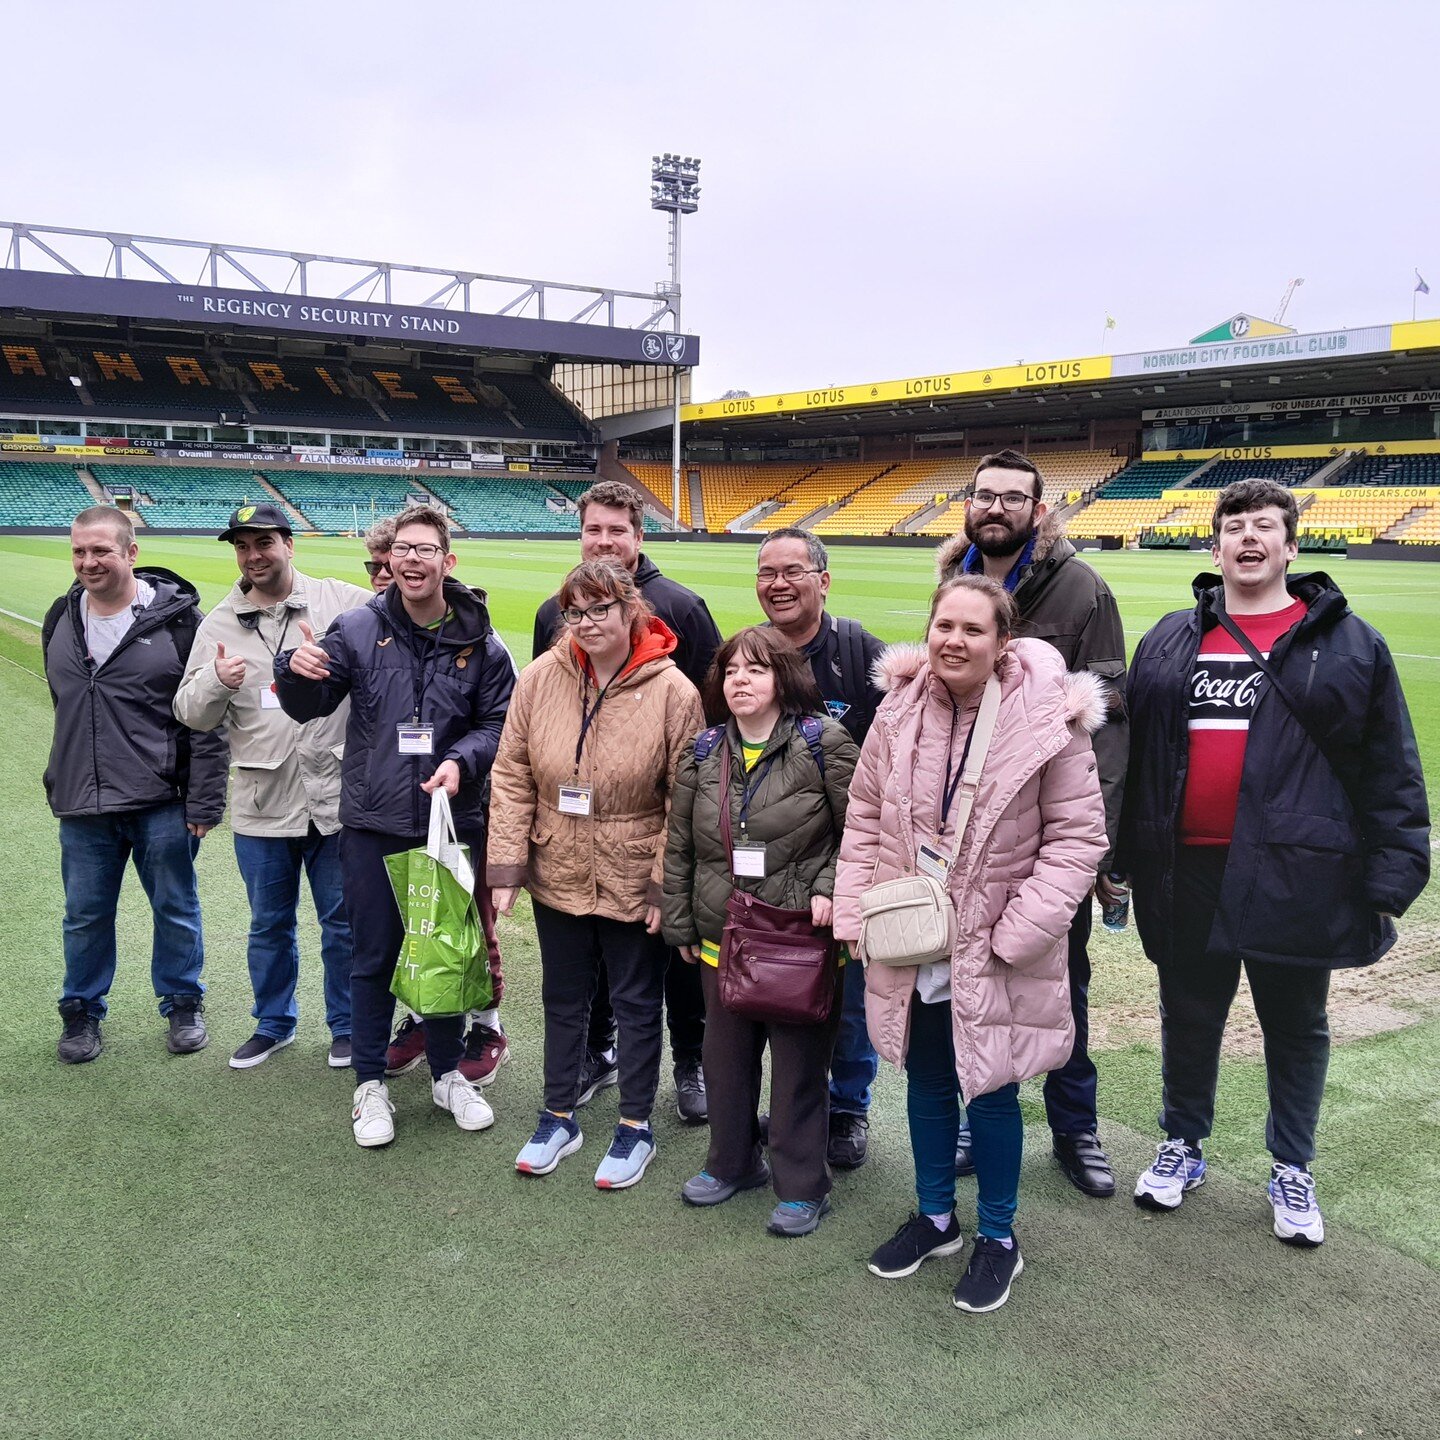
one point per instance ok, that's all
(574, 950)
(376, 930)
(799, 1094)
(1196, 991)
(684, 1010)
(1070, 1090)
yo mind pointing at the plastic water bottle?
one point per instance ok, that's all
(1117, 916)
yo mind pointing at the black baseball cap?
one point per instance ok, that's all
(256, 517)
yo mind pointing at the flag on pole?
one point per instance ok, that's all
(1421, 288)
(1110, 319)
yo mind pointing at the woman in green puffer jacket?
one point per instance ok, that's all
(786, 789)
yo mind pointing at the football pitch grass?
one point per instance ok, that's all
(189, 1249)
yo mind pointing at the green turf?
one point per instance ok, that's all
(188, 1249)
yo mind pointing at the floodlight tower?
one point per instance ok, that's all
(674, 188)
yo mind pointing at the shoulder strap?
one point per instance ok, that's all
(727, 833)
(1249, 647)
(811, 729)
(852, 662)
(980, 740)
(706, 741)
(52, 623)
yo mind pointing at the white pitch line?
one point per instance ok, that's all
(15, 615)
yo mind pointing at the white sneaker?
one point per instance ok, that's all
(453, 1092)
(1292, 1196)
(1174, 1171)
(371, 1115)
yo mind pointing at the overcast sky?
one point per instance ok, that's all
(887, 190)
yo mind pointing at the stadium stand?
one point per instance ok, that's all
(484, 502)
(34, 375)
(40, 494)
(315, 391)
(821, 487)
(1066, 472)
(537, 406)
(1148, 479)
(1360, 512)
(339, 499)
(1423, 530)
(1125, 518)
(149, 382)
(436, 399)
(729, 491)
(183, 496)
(1422, 469)
(1292, 472)
(573, 489)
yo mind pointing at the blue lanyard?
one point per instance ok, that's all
(951, 786)
(749, 789)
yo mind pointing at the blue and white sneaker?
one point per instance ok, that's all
(555, 1137)
(1292, 1196)
(632, 1149)
(1176, 1169)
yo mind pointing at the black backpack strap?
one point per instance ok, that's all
(707, 740)
(811, 730)
(52, 623)
(852, 665)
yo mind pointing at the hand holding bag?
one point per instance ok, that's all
(442, 968)
(775, 965)
(911, 920)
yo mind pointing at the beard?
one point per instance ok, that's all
(995, 544)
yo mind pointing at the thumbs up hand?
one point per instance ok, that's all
(229, 670)
(309, 662)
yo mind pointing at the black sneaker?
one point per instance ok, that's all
(257, 1050)
(915, 1242)
(849, 1141)
(187, 1030)
(600, 1070)
(964, 1152)
(80, 1039)
(338, 1057)
(690, 1099)
(985, 1285)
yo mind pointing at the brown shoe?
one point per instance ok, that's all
(486, 1050)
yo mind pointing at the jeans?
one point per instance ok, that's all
(573, 948)
(1196, 991)
(854, 1064)
(271, 866)
(93, 852)
(1070, 1090)
(932, 1102)
(377, 931)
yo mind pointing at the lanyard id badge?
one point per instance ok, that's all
(269, 700)
(574, 800)
(933, 860)
(415, 739)
(747, 859)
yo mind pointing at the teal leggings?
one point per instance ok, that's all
(933, 1104)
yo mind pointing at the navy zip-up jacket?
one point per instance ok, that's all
(1321, 853)
(118, 745)
(458, 679)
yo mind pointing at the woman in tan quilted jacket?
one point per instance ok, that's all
(997, 1010)
(580, 793)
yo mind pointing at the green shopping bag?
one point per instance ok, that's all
(443, 967)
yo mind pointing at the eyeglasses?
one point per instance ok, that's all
(1011, 499)
(791, 573)
(377, 567)
(573, 614)
(401, 548)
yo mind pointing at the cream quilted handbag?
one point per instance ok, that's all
(909, 921)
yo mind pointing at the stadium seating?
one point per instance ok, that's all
(1125, 517)
(574, 487)
(336, 499)
(284, 389)
(184, 496)
(32, 374)
(1064, 472)
(729, 490)
(829, 483)
(1393, 470)
(537, 406)
(1148, 479)
(1292, 472)
(1359, 512)
(135, 380)
(498, 502)
(1424, 530)
(40, 494)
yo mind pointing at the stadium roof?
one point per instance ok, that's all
(1402, 356)
(55, 272)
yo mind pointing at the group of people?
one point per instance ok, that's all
(641, 775)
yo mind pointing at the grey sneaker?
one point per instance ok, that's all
(793, 1218)
(80, 1039)
(706, 1189)
(187, 1029)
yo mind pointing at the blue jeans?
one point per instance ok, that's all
(271, 868)
(932, 1102)
(93, 852)
(854, 1063)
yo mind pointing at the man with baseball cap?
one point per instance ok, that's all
(284, 803)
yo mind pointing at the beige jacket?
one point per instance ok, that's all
(286, 775)
(609, 863)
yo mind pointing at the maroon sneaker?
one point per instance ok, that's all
(486, 1050)
(407, 1049)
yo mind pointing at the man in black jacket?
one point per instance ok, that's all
(612, 527)
(127, 780)
(1275, 817)
(429, 682)
(1065, 603)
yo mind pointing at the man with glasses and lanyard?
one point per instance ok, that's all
(429, 682)
(285, 800)
(1066, 603)
(792, 579)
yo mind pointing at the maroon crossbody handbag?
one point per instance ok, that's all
(775, 965)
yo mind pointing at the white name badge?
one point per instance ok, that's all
(934, 861)
(269, 700)
(749, 861)
(415, 739)
(574, 800)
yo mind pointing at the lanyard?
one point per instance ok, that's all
(749, 788)
(588, 712)
(951, 786)
(428, 666)
(279, 644)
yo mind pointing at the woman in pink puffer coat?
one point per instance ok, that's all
(999, 1011)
